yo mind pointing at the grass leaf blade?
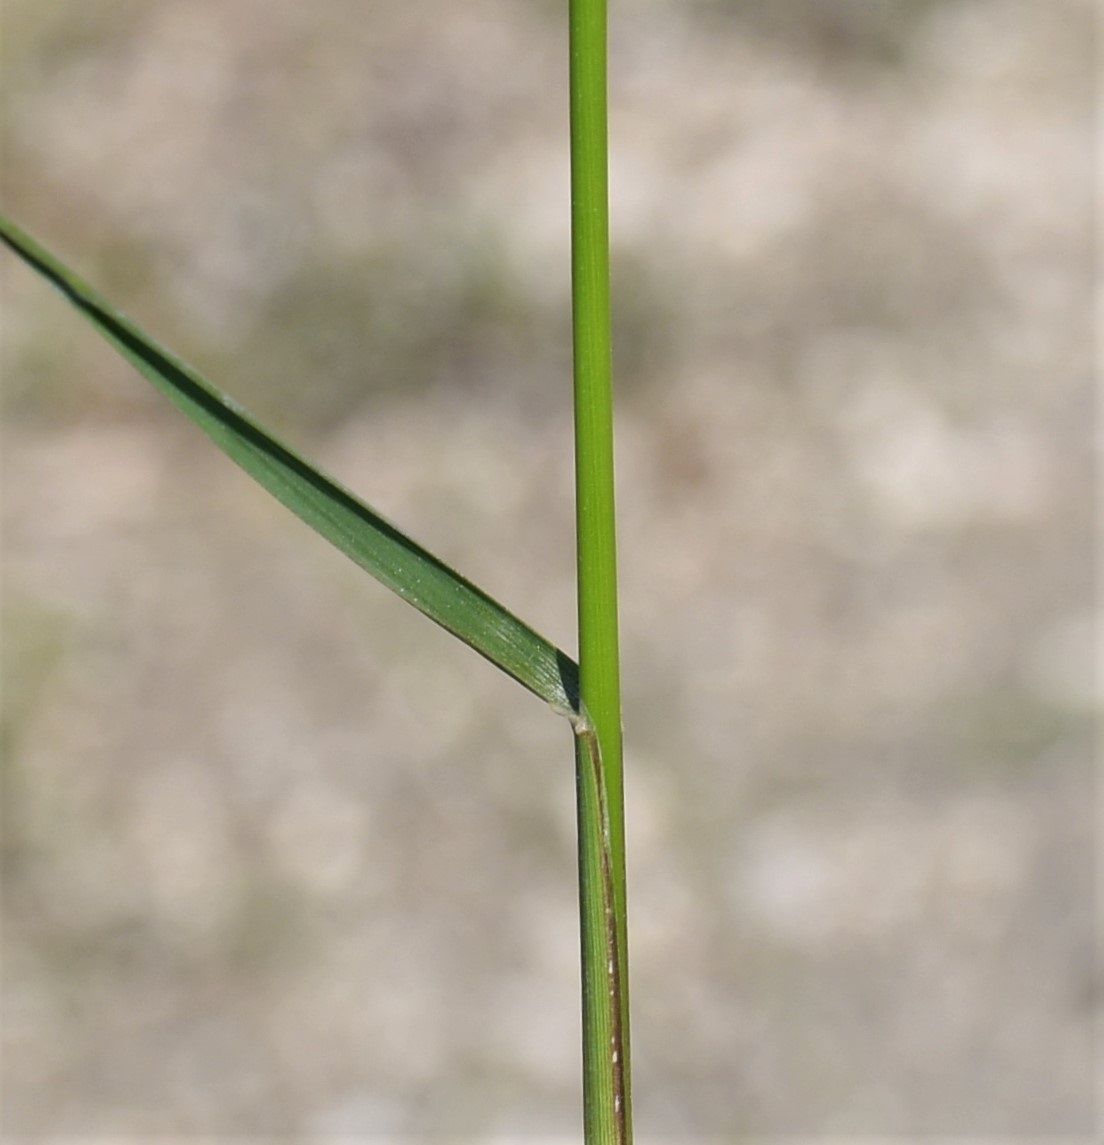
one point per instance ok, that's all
(358, 531)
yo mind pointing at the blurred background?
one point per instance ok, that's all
(280, 857)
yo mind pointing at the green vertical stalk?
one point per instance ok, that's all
(606, 1076)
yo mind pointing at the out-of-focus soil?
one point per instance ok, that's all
(282, 858)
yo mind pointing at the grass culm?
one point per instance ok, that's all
(587, 693)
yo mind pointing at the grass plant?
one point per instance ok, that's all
(587, 693)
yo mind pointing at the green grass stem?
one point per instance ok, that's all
(606, 1073)
(587, 694)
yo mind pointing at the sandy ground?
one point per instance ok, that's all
(279, 859)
